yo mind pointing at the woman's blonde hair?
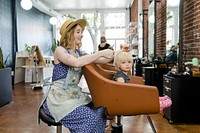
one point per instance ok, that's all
(68, 41)
(121, 56)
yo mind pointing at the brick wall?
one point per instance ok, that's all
(191, 30)
(134, 11)
(145, 4)
(161, 29)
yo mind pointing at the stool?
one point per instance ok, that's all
(49, 120)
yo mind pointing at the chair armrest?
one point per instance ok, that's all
(136, 80)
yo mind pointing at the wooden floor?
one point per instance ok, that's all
(20, 116)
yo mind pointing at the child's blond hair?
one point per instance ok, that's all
(121, 56)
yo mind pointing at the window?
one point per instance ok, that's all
(93, 19)
(115, 20)
(115, 33)
(112, 24)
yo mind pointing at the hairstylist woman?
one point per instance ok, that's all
(65, 101)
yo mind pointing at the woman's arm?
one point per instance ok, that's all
(110, 47)
(61, 55)
(103, 60)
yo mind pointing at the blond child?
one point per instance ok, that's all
(123, 63)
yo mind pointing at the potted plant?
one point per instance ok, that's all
(5, 81)
(28, 49)
(55, 44)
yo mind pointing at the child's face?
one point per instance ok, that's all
(125, 65)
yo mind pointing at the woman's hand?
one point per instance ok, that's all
(107, 53)
(107, 56)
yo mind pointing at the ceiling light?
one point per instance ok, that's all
(26, 4)
(53, 20)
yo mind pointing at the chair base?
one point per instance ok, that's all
(151, 123)
(116, 128)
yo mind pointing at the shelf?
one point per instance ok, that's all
(24, 57)
(20, 60)
(132, 33)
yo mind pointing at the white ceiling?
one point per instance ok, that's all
(65, 6)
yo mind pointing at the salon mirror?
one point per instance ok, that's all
(151, 22)
(172, 24)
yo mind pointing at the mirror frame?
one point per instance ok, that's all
(180, 55)
(144, 13)
(151, 26)
(155, 25)
(180, 39)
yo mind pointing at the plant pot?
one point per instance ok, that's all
(5, 86)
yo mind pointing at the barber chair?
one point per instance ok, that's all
(121, 99)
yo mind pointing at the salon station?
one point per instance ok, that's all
(163, 37)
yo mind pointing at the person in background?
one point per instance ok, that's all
(65, 101)
(172, 56)
(103, 45)
(123, 63)
(124, 47)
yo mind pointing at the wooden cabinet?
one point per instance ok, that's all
(20, 61)
(43, 73)
(185, 95)
(25, 69)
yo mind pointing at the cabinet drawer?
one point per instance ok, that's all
(167, 90)
(143, 76)
(167, 82)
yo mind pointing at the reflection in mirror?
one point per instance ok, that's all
(151, 30)
(172, 31)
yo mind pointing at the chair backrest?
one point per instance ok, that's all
(107, 73)
(109, 67)
(120, 98)
(108, 70)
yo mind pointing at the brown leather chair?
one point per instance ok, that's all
(125, 99)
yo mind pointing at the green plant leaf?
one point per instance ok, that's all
(3, 64)
(28, 48)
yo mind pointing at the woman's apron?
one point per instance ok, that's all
(65, 95)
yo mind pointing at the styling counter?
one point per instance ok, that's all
(185, 95)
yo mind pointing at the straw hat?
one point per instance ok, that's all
(68, 25)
